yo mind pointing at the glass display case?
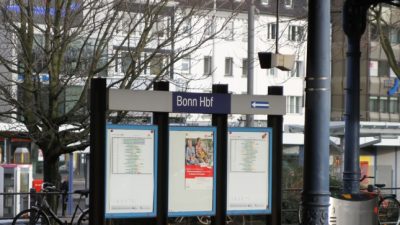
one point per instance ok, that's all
(15, 179)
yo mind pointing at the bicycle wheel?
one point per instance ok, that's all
(236, 220)
(300, 214)
(31, 217)
(84, 218)
(388, 211)
(204, 220)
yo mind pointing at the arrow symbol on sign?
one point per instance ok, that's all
(256, 104)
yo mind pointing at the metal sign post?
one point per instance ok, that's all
(221, 122)
(161, 120)
(276, 123)
(97, 151)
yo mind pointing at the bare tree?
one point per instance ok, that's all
(51, 49)
(385, 21)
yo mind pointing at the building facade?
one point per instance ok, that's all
(221, 60)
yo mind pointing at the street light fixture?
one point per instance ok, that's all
(270, 60)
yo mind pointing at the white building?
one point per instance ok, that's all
(220, 60)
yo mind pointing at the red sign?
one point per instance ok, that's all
(37, 184)
(193, 171)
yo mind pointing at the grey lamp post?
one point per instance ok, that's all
(354, 23)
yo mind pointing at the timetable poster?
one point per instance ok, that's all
(249, 170)
(130, 171)
(191, 170)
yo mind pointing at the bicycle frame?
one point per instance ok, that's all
(46, 209)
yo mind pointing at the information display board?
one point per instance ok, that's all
(249, 171)
(131, 171)
(192, 171)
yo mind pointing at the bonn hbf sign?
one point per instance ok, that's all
(188, 102)
(201, 103)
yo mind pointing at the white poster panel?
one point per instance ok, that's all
(130, 171)
(249, 171)
(191, 171)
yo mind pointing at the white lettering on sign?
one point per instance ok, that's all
(180, 101)
(206, 102)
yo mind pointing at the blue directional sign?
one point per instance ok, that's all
(201, 103)
(259, 104)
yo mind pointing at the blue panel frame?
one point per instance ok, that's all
(269, 203)
(137, 127)
(200, 213)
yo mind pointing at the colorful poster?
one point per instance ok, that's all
(249, 171)
(130, 170)
(198, 163)
(191, 171)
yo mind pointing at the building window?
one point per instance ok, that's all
(383, 68)
(264, 2)
(185, 65)
(209, 28)
(373, 104)
(126, 61)
(395, 36)
(373, 32)
(228, 31)
(157, 64)
(161, 28)
(294, 104)
(393, 105)
(298, 70)
(144, 69)
(271, 31)
(228, 66)
(245, 65)
(383, 105)
(187, 26)
(296, 33)
(288, 3)
(207, 65)
(72, 95)
(373, 68)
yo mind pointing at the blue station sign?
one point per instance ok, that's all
(209, 103)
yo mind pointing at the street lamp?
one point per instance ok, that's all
(270, 60)
(354, 24)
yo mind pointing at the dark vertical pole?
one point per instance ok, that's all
(276, 123)
(221, 122)
(98, 101)
(33, 198)
(354, 23)
(161, 120)
(315, 196)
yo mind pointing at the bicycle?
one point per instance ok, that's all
(388, 206)
(40, 214)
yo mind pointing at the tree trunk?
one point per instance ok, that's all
(52, 175)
